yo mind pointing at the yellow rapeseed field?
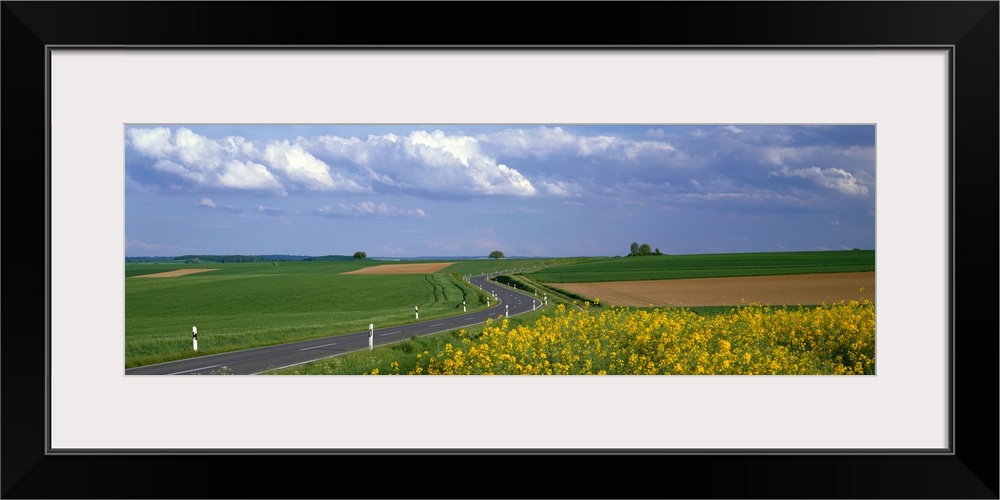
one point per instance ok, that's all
(751, 340)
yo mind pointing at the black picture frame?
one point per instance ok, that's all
(969, 28)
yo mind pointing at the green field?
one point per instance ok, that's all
(401, 357)
(662, 267)
(245, 305)
(490, 266)
(241, 306)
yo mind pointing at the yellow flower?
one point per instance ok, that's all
(832, 339)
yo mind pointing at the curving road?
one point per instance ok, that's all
(257, 360)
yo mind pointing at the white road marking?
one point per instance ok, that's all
(317, 346)
(196, 369)
(390, 333)
(437, 324)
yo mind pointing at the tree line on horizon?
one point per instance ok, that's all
(195, 259)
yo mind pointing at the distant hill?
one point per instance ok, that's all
(284, 258)
(329, 258)
(460, 257)
(236, 258)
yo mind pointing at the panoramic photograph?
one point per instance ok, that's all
(499, 249)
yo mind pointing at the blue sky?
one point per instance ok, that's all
(552, 190)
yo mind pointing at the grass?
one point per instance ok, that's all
(242, 306)
(266, 268)
(400, 357)
(245, 305)
(707, 266)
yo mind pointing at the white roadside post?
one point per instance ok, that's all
(416, 312)
(194, 337)
(487, 302)
(371, 336)
(506, 310)
(463, 307)
(546, 296)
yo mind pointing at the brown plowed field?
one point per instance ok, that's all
(403, 268)
(174, 274)
(801, 289)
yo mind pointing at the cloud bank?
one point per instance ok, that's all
(525, 162)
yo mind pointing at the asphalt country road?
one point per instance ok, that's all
(260, 359)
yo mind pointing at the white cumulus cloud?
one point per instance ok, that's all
(234, 162)
(831, 178)
(430, 162)
(153, 142)
(194, 149)
(293, 161)
(249, 175)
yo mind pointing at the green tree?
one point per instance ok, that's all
(360, 255)
(496, 254)
(657, 251)
(634, 250)
(644, 249)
